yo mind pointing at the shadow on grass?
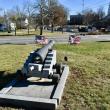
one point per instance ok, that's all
(17, 35)
(104, 41)
(5, 78)
(16, 43)
(7, 106)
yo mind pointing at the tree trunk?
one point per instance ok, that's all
(15, 31)
(41, 22)
(20, 24)
(35, 28)
(62, 29)
(52, 28)
(28, 29)
(41, 30)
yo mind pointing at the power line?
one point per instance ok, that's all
(106, 4)
(83, 5)
(94, 6)
(98, 2)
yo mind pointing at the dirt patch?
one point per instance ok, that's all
(76, 72)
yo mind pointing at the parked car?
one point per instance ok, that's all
(108, 29)
(41, 39)
(3, 27)
(69, 30)
(82, 29)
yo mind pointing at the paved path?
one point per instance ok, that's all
(58, 39)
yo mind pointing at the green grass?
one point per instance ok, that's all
(88, 85)
(12, 58)
(32, 32)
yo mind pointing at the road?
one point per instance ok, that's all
(62, 39)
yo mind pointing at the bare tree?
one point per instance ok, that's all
(101, 13)
(57, 14)
(63, 15)
(52, 6)
(40, 7)
(90, 16)
(17, 16)
(1, 19)
(12, 15)
(28, 6)
(1, 9)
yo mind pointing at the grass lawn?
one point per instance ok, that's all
(88, 85)
(32, 32)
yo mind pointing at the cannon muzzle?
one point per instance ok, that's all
(42, 53)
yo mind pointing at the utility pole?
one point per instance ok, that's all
(5, 18)
(83, 4)
(41, 16)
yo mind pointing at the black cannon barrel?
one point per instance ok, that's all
(42, 53)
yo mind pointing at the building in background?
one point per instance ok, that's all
(76, 19)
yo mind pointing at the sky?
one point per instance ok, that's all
(74, 6)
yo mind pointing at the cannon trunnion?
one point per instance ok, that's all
(42, 63)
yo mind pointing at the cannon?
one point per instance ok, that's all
(42, 63)
(34, 93)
